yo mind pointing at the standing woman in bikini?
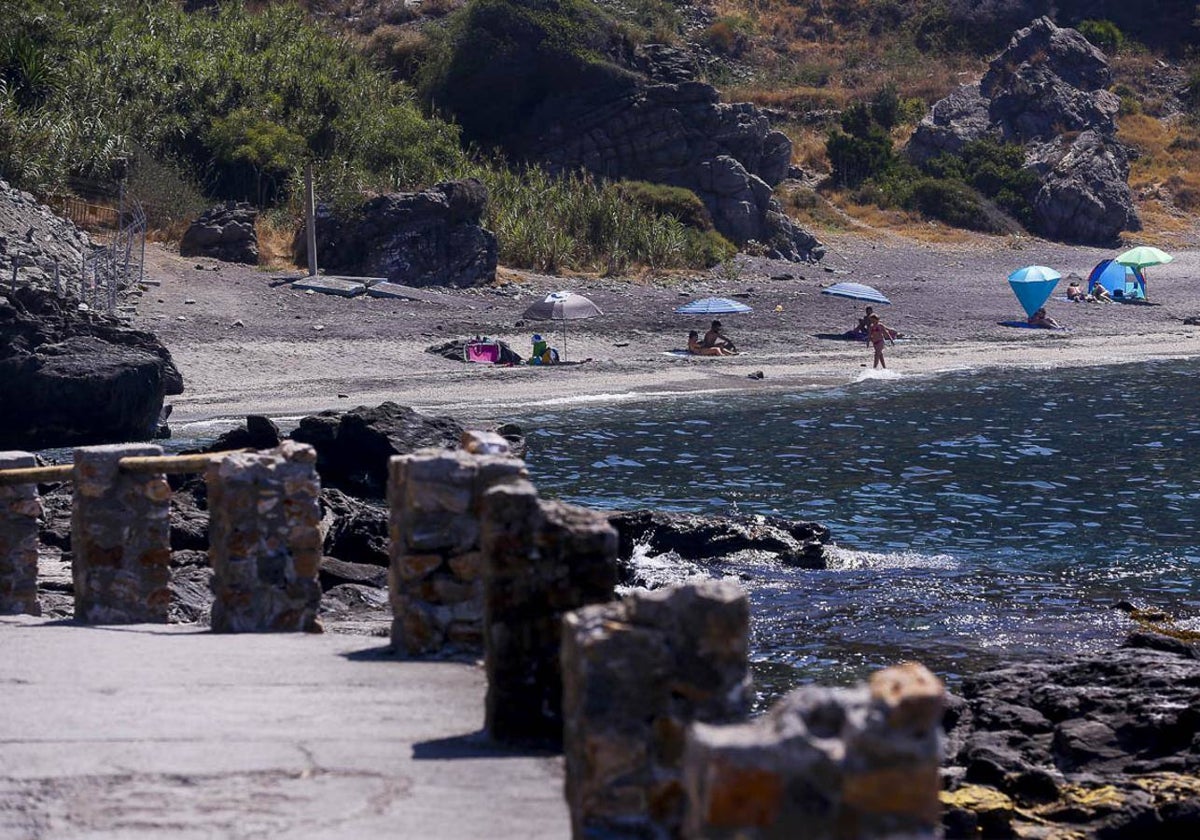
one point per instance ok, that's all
(876, 334)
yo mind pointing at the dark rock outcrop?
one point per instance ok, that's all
(1047, 92)
(71, 377)
(258, 433)
(694, 537)
(225, 232)
(429, 238)
(353, 447)
(682, 135)
(1100, 746)
(356, 532)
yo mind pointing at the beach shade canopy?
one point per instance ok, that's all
(712, 306)
(856, 291)
(562, 307)
(1120, 281)
(1033, 286)
(1144, 255)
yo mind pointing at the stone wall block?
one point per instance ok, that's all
(541, 560)
(859, 762)
(20, 510)
(435, 575)
(636, 674)
(120, 538)
(265, 540)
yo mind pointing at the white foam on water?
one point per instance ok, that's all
(847, 559)
(880, 373)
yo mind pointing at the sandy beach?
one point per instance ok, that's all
(246, 342)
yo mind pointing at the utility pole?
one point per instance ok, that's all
(310, 219)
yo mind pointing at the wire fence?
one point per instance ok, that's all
(116, 263)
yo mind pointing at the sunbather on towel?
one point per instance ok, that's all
(1101, 295)
(715, 337)
(1041, 319)
(1075, 293)
(698, 349)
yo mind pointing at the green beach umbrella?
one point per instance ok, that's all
(1142, 256)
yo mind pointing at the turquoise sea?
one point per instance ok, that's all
(977, 516)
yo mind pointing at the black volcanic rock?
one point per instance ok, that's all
(71, 377)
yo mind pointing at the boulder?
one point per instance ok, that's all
(694, 537)
(71, 377)
(357, 532)
(1101, 745)
(429, 238)
(1047, 92)
(353, 447)
(682, 135)
(225, 232)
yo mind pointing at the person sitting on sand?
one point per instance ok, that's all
(864, 323)
(716, 338)
(1101, 295)
(1075, 292)
(1041, 319)
(696, 348)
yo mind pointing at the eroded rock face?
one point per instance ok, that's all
(682, 135)
(37, 240)
(225, 232)
(71, 378)
(1101, 746)
(429, 238)
(1047, 92)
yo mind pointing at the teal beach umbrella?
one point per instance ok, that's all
(1033, 286)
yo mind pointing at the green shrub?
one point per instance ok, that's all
(862, 149)
(664, 200)
(729, 35)
(996, 170)
(1103, 34)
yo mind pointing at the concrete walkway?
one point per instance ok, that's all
(154, 731)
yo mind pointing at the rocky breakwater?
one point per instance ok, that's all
(71, 377)
(428, 238)
(1048, 93)
(1098, 746)
(225, 232)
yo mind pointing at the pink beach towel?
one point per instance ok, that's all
(483, 353)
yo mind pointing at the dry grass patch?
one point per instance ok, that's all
(276, 232)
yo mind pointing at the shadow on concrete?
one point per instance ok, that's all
(171, 629)
(474, 745)
(387, 653)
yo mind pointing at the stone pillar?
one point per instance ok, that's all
(824, 762)
(120, 538)
(435, 578)
(264, 540)
(541, 560)
(635, 674)
(20, 509)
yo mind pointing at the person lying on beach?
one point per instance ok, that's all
(1041, 319)
(716, 338)
(696, 348)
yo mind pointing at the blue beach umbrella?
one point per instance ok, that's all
(1033, 286)
(856, 291)
(712, 306)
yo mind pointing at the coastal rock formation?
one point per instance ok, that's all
(71, 378)
(682, 135)
(353, 447)
(1094, 746)
(695, 537)
(225, 232)
(1047, 92)
(429, 238)
(34, 239)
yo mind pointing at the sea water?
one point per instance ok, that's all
(975, 517)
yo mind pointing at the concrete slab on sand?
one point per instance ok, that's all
(331, 286)
(152, 731)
